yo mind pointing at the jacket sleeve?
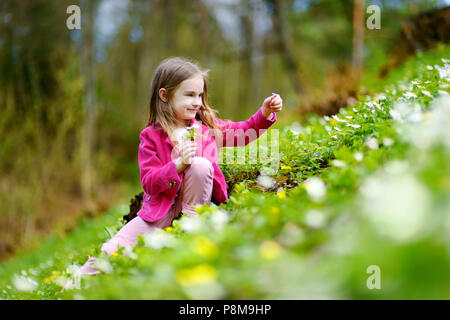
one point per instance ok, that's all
(241, 133)
(155, 176)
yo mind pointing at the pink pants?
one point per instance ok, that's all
(195, 188)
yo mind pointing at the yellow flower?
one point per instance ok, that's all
(333, 121)
(205, 247)
(285, 167)
(202, 273)
(115, 254)
(269, 249)
(168, 229)
(52, 277)
(275, 210)
(281, 194)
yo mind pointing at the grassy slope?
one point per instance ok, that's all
(293, 244)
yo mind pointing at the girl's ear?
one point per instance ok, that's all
(163, 94)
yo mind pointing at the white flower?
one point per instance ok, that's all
(355, 110)
(388, 142)
(358, 156)
(34, 272)
(373, 104)
(219, 219)
(434, 128)
(103, 265)
(268, 170)
(295, 128)
(396, 204)
(294, 132)
(339, 163)
(444, 72)
(403, 112)
(315, 188)
(23, 283)
(356, 126)
(337, 118)
(291, 235)
(128, 251)
(372, 143)
(395, 115)
(191, 223)
(265, 181)
(337, 129)
(427, 93)
(75, 274)
(315, 218)
(64, 282)
(409, 95)
(157, 239)
(429, 67)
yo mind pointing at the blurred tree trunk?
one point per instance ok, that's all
(283, 47)
(169, 21)
(246, 55)
(203, 44)
(88, 132)
(358, 37)
(258, 54)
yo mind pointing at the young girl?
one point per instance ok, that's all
(178, 171)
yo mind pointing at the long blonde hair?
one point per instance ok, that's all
(169, 74)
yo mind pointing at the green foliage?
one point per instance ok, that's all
(368, 186)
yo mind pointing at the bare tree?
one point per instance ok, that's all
(282, 45)
(358, 37)
(88, 131)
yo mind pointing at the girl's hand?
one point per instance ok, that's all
(274, 103)
(187, 150)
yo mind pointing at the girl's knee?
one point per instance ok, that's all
(201, 166)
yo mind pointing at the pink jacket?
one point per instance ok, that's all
(158, 173)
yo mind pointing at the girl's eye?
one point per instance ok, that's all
(191, 95)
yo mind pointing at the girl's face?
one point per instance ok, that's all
(187, 99)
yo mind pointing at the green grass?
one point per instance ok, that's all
(369, 187)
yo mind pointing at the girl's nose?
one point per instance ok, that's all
(198, 102)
